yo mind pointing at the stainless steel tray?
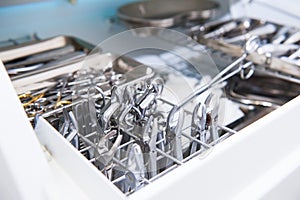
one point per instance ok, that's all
(164, 13)
(272, 63)
(33, 57)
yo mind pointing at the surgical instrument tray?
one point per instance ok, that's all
(121, 116)
(32, 57)
(279, 44)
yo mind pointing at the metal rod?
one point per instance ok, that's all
(196, 140)
(193, 155)
(125, 144)
(85, 149)
(91, 134)
(119, 163)
(220, 139)
(121, 178)
(225, 128)
(172, 104)
(170, 157)
(146, 180)
(159, 141)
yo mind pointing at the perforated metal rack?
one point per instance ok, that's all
(122, 162)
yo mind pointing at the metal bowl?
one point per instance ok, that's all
(166, 13)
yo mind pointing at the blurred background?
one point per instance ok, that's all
(91, 20)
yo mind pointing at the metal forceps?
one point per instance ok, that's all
(147, 140)
(198, 126)
(212, 110)
(173, 134)
(148, 97)
(69, 129)
(110, 108)
(152, 159)
(104, 156)
(135, 165)
(251, 46)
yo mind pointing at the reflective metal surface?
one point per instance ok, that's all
(164, 13)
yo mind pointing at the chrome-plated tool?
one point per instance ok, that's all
(251, 46)
(263, 30)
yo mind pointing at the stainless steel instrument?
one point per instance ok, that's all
(278, 43)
